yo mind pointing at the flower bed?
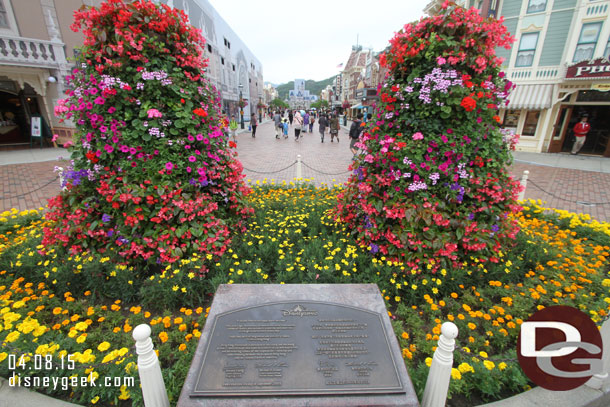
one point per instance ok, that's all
(87, 307)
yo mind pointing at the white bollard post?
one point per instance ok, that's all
(526, 173)
(437, 385)
(299, 167)
(601, 380)
(153, 387)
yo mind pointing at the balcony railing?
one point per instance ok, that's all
(30, 52)
(541, 73)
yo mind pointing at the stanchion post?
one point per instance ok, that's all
(526, 173)
(299, 167)
(151, 379)
(437, 384)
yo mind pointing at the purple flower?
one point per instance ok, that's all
(106, 218)
(374, 248)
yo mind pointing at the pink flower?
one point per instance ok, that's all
(169, 166)
(418, 136)
(192, 159)
(99, 100)
(54, 139)
(441, 61)
(152, 113)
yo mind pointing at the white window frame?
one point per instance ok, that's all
(519, 50)
(598, 23)
(10, 15)
(529, 5)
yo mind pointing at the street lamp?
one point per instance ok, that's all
(241, 108)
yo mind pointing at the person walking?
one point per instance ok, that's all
(233, 127)
(354, 134)
(298, 124)
(323, 123)
(334, 127)
(279, 128)
(290, 116)
(580, 132)
(305, 122)
(253, 123)
(312, 121)
(285, 127)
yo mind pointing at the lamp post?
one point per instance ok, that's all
(241, 108)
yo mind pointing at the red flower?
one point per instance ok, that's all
(468, 103)
(232, 144)
(200, 112)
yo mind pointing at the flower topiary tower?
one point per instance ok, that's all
(431, 188)
(152, 179)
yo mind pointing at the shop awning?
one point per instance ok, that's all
(358, 106)
(532, 97)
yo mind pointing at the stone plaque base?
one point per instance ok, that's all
(298, 345)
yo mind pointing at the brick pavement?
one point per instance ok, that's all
(327, 164)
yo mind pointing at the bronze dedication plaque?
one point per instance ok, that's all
(297, 348)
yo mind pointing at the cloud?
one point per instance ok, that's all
(309, 39)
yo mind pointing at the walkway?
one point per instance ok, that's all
(576, 183)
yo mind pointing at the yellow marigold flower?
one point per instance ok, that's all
(102, 347)
(95, 399)
(455, 374)
(163, 336)
(428, 362)
(405, 335)
(12, 337)
(502, 366)
(489, 364)
(483, 354)
(81, 338)
(471, 325)
(465, 367)
(182, 347)
(3, 356)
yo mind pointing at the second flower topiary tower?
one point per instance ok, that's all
(431, 189)
(152, 179)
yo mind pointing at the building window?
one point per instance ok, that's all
(233, 67)
(531, 123)
(222, 60)
(209, 48)
(587, 41)
(8, 25)
(536, 6)
(527, 49)
(3, 16)
(607, 51)
(511, 119)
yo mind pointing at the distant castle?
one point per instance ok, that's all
(299, 98)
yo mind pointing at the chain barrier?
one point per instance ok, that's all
(57, 366)
(567, 200)
(325, 173)
(270, 172)
(2, 198)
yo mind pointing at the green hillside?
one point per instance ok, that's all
(314, 87)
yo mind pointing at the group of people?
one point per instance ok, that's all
(233, 125)
(304, 123)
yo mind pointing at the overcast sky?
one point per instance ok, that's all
(308, 39)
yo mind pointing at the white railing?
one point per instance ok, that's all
(31, 51)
